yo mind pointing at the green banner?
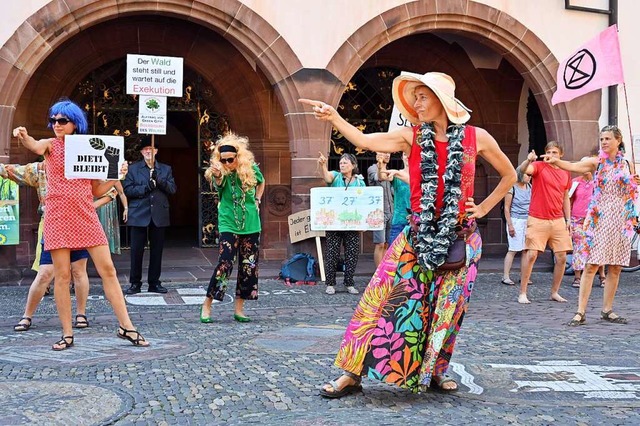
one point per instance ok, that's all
(9, 213)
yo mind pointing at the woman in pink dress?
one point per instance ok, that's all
(70, 208)
(610, 220)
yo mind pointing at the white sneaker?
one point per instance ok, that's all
(330, 290)
(352, 290)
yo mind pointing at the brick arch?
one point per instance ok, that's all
(492, 27)
(59, 21)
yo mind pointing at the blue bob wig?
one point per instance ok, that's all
(73, 112)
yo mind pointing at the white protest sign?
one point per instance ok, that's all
(152, 115)
(300, 227)
(154, 75)
(93, 157)
(397, 120)
(347, 209)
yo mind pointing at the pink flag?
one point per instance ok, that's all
(595, 65)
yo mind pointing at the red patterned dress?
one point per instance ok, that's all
(71, 221)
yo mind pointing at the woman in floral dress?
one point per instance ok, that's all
(404, 328)
(69, 205)
(240, 185)
(610, 221)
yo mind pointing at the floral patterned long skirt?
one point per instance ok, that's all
(405, 326)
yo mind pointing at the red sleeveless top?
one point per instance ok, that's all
(468, 170)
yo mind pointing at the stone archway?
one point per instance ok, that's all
(37, 65)
(526, 54)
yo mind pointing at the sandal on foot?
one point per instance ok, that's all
(81, 321)
(437, 383)
(616, 320)
(507, 281)
(346, 390)
(22, 327)
(138, 341)
(576, 322)
(65, 343)
(576, 283)
(602, 279)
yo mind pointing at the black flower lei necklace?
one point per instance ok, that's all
(239, 205)
(433, 239)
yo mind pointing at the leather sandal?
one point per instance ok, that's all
(22, 327)
(437, 383)
(576, 322)
(65, 343)
(617, 320)
(346, 390)
(81, 321)
(128, 335)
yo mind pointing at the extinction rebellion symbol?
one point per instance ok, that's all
(580, 70)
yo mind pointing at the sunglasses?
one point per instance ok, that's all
(61, 121)
(227, 160)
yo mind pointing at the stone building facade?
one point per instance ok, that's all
(248, 62)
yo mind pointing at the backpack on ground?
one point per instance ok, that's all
(300, 269)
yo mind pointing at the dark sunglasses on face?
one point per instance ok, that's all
(227, 160)
(61, 121)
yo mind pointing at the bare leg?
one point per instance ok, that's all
(104, 265)
(601, 272)
(558, 272)
(37, 289)
(206, 307)
(586, 282)
(239, 306)
(529, 258)
(508, 262)
(610, 288)
(378, 253)
(61, 264)
(80, 277)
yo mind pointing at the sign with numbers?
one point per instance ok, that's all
(347, 209)
(93, 156)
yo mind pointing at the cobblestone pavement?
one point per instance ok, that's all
(516, 364)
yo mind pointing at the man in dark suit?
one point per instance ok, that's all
(147, 185)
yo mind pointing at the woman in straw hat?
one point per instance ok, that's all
(404, 328)
(610, 222)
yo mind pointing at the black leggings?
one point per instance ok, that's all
(351, 242)
(247, 247)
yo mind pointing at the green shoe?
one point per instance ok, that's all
(240, 318)
(204, 320)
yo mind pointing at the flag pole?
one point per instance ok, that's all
(626, 102)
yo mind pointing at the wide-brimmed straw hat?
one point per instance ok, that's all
(441, 84)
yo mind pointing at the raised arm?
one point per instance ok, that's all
(397, 140)
(526, 168)
(489, 150)
(324, 169)
(40, 147)
(24, 175)
(583, 166)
